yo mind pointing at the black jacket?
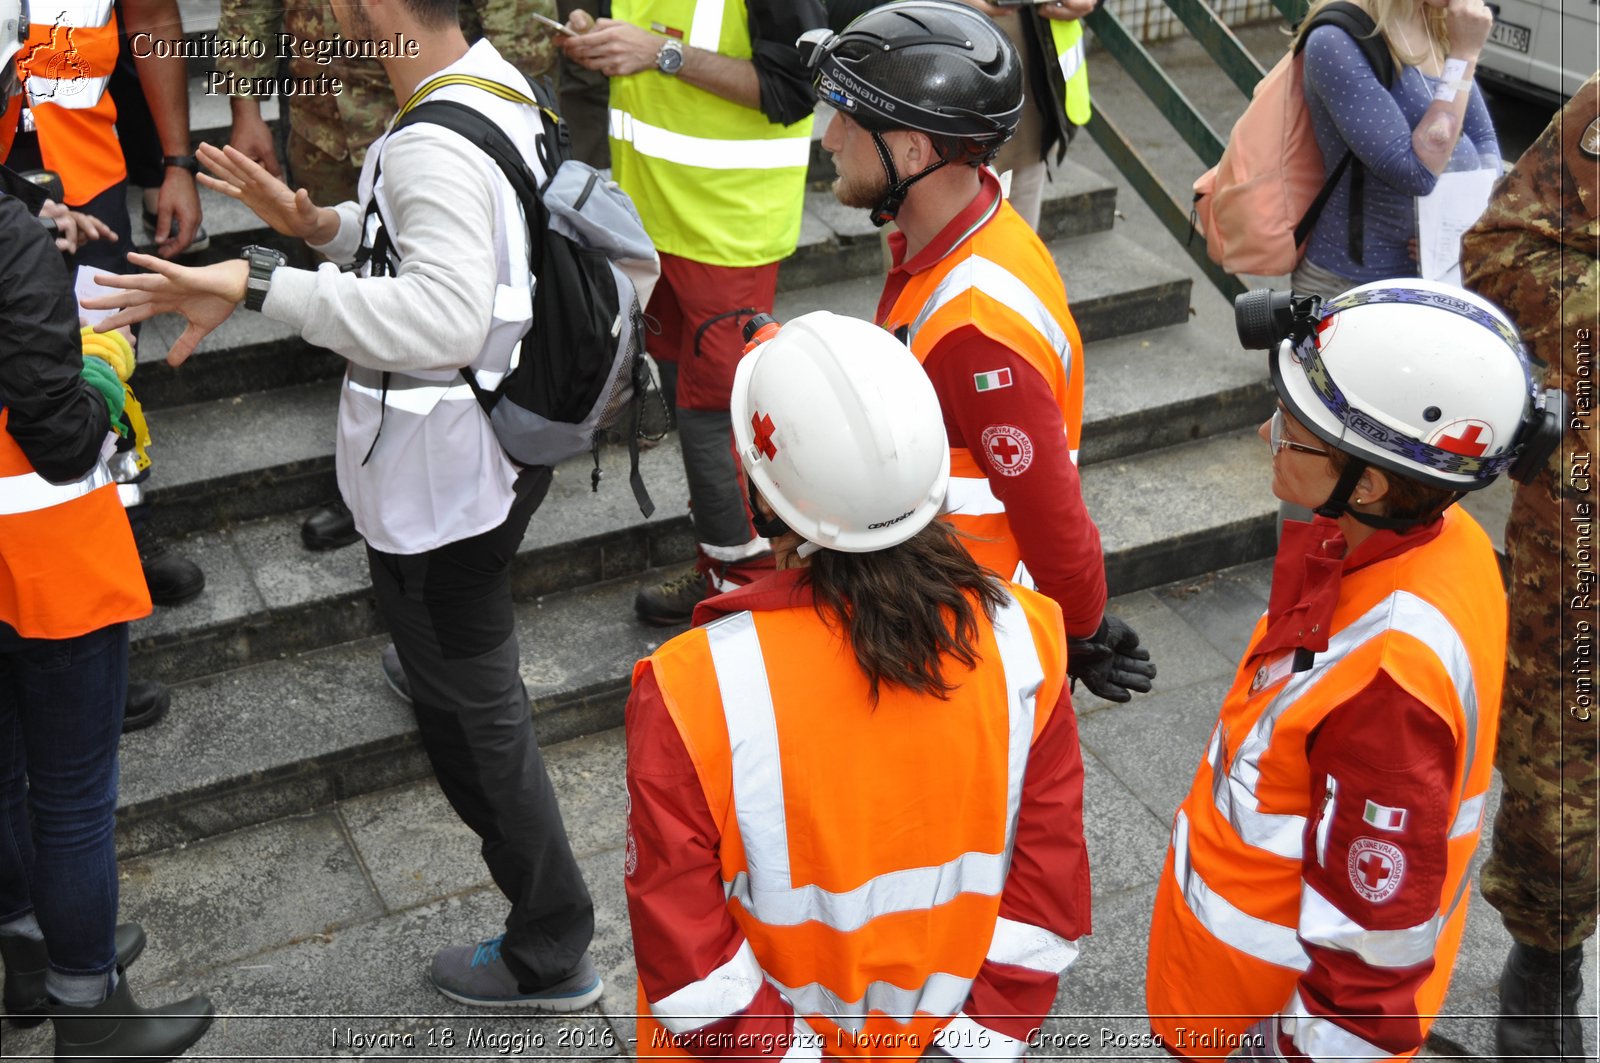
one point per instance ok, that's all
(58, 420)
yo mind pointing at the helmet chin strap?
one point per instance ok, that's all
(773, 527)
(892, 200)
(1338, 503)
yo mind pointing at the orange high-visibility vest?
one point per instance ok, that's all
(1002, 280)
(863, 848)
(64, 68)
(1223, 940)
(68, 563)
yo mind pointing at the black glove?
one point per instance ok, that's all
(1111, 663)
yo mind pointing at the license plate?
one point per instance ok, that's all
(1510, 35)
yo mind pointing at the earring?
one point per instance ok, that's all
(1359, 501)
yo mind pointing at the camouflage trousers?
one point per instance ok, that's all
(1541, 873)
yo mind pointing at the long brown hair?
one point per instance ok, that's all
(906, 609)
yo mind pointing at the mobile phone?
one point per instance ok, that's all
(559, 27)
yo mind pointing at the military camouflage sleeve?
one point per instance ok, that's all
(253, 20)
(520, 39)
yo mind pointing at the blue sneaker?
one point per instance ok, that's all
(476, 975)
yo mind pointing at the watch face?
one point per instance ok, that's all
(670, 58)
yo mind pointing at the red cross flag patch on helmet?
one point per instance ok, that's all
(1008, 448)
(764, 428)
(1468, 437)
(1376, 868)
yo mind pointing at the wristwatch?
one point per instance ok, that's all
(669, 60)
(263, 260)
(182, 162)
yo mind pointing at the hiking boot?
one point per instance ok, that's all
(119, 1028)
(476, 975)
(26, 962)
(1539, 994)
(172, 578)
(393, 674)
(147, 701)
(330, 527)
(673, 601)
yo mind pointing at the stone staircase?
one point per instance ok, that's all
(278, 703)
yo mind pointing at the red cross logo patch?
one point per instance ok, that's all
(763, 426)
(1376, 869)
(1467, 437)
(1008, 449)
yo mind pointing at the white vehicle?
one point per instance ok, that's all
(1541, 49)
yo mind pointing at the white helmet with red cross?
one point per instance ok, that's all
(1417, 377)
(839, 429)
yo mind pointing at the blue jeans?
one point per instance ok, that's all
(61, 706)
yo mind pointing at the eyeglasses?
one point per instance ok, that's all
(1280, 442)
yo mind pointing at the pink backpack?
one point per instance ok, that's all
(1256, 207)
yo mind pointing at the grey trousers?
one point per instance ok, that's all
(449, 611)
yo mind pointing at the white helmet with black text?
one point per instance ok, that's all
(840, 431)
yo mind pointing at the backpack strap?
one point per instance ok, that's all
(1358, 25)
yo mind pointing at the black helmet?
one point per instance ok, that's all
(935, 66)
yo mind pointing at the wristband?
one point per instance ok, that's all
(182, 162)
(1452, 81)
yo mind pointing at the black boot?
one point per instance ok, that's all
(118, 1028)
(1539, 993)
(148, 701)
(26, 961)
(330, 527)
(172, 578)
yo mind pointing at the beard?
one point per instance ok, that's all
(862, 192)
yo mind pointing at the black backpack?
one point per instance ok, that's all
(582, 364)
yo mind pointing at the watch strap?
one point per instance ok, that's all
(263, 260)
(182, 162)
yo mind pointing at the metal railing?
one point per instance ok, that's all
(1232, 59)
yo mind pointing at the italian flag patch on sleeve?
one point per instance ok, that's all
(992, 380)
(1383, 817)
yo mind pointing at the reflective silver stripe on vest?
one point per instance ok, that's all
(766, 890)
(1033, 947)
(1071, 60)
(774, 153)
(412, 394)
(705, 32)
(971, 496)
(726, 991)
(1323, 924)
(1319, 1038)
(970, 1041)
(942, 994)
(1261, 938)
(1003, 286)
(29, 492)
(1234, 792)
(1469, 817)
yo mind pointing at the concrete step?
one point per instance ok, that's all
(288, 735)
(271, 452)
(1163, 515)
(280, 706)
(267, 596)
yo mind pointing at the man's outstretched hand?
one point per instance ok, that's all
(204, 295)
(233, 173)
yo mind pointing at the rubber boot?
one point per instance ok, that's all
(1539, 994)
(118, 1028)
(26, 961)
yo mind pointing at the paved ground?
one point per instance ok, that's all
(312, 933)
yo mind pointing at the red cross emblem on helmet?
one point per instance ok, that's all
(1467, 437)
(764, 428)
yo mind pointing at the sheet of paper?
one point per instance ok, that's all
(1443, 215)
(83, 288)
